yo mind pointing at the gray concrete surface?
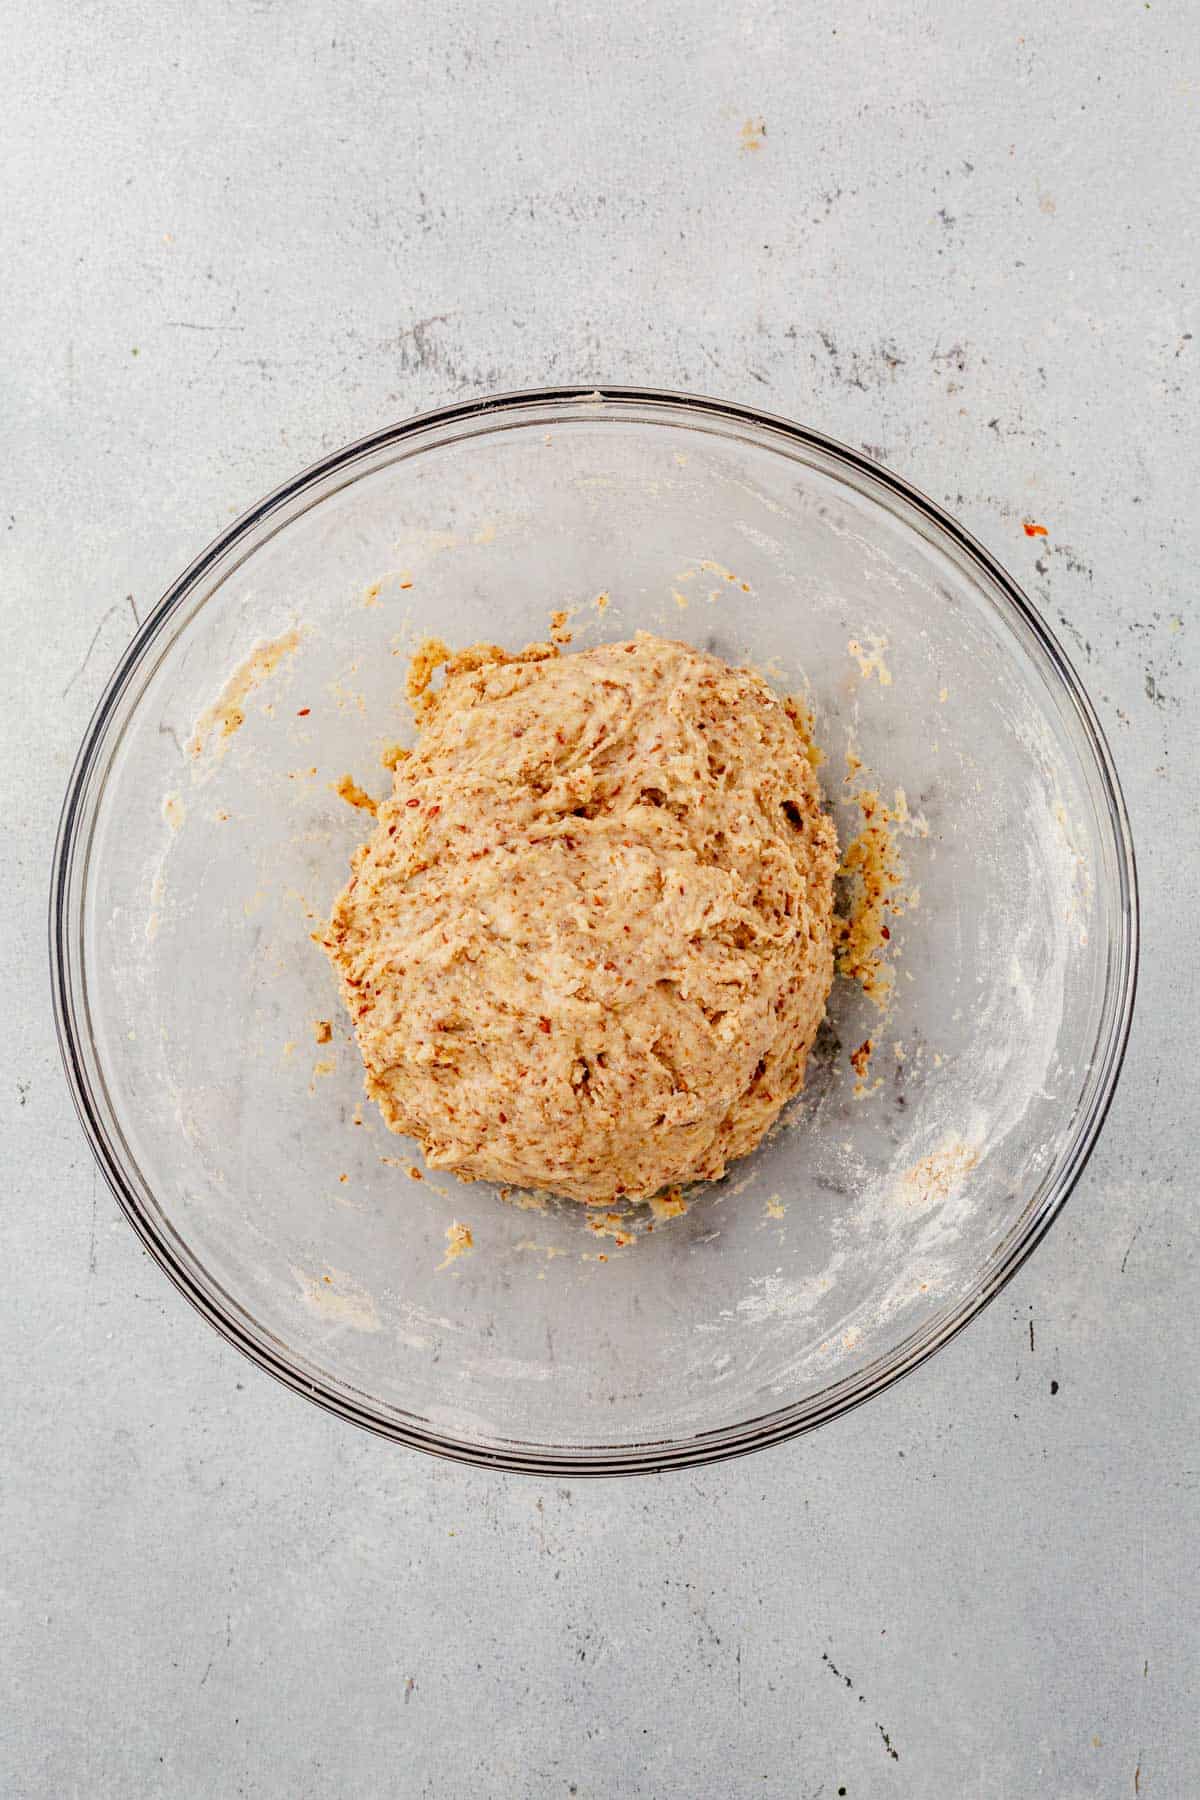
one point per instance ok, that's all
(234, 236)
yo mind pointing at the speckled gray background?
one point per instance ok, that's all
(236, 235)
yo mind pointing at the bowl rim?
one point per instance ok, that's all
(727, 1441)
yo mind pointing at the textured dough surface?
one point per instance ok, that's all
(589, 945)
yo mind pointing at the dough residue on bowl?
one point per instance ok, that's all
(226, 715)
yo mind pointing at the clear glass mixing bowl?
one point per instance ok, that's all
(871, 1226)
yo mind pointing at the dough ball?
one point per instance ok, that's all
(589, 945)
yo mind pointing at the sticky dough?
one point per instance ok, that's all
(589, 945)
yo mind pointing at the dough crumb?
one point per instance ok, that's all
(611, 1225)
(322, 1030)
(424, 666)
(347, 789)
(860, 1062)
(458, 1242)
(870, 662)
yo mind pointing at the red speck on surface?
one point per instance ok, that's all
(544, 1025)
(1032, 530)
(304, 712)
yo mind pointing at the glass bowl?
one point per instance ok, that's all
(202, 842)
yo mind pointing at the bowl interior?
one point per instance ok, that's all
(872, 1221)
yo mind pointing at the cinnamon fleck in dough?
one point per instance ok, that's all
(588, 947)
